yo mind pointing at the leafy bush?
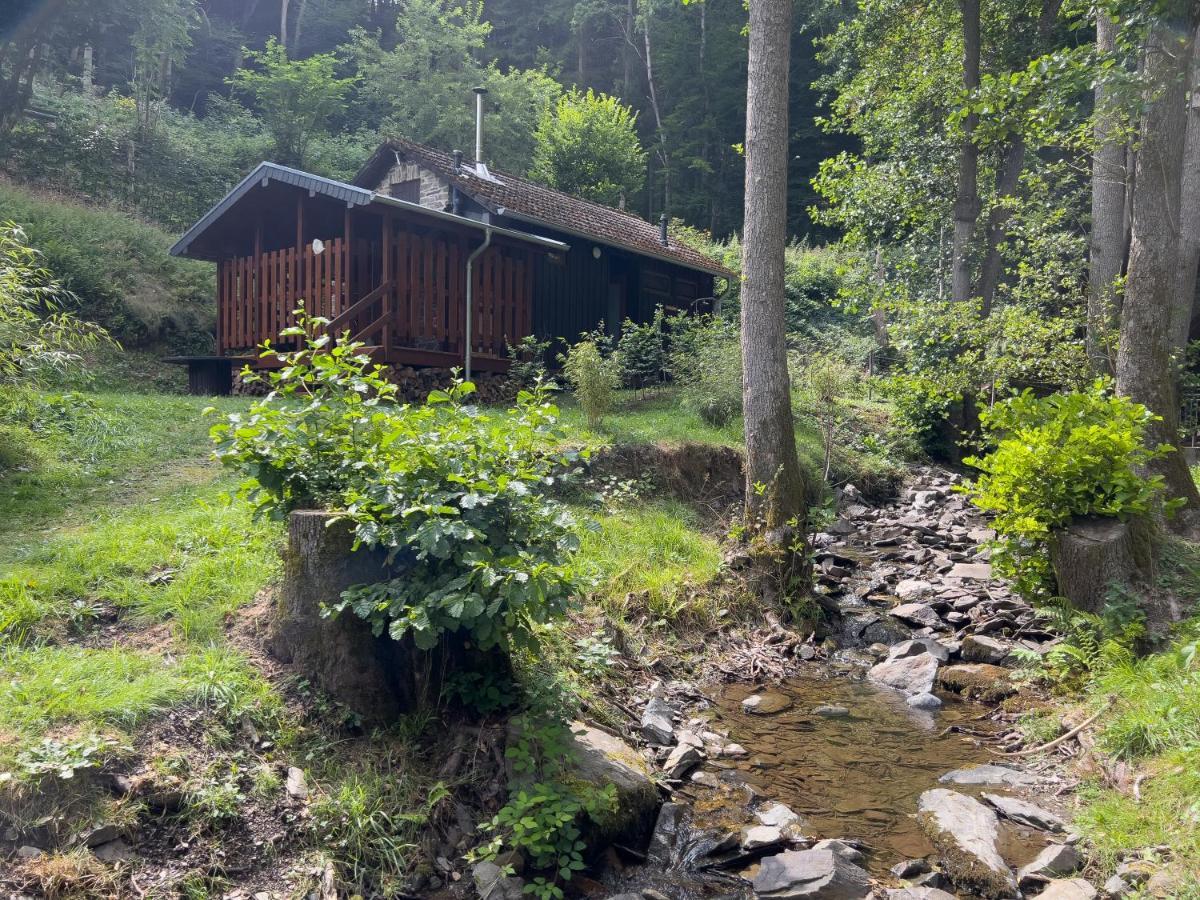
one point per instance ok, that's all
(824, 383)
(527, 363)
(643, 351)
(1057, 457)
(594, 376)
(37, 338)
(456, 496)
(706, 363)
(541, 817)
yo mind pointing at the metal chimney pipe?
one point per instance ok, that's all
(662, 229)
(479, 92)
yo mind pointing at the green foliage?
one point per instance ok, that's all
(1057, 457)
(417, 80)
(541, 817)
(295, 97)
(824, 383)
(527, 363)
(38, 339)
(1091, 645)
(594, 375)
(117, 271)
(370, 823)
(642, 351)
(588, 146)
(705, 361)
(486, 692)
(455, 495)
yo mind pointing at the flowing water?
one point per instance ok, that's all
(853, 777)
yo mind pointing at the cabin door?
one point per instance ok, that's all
(617, 310)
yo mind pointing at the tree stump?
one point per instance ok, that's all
(1091, 555)
(378, 678)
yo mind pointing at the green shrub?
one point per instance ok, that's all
(1057, 457)
(824, 383)
(527, 363)
(706, 363)
(542, 816)
(643, 351)
(456, 496)
(594, 376)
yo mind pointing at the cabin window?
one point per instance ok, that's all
(409, 190)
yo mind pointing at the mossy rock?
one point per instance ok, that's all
(979, 681)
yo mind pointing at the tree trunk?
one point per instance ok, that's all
(1107, 251)
(1094, 555)
(283, 11)
(1007, 181)
(1145, 368)
(775, 491)
(663, 155)
(1189, 212)
(966, 204)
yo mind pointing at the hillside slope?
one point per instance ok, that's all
(119, 269)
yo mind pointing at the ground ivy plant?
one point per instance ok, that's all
(456, 494)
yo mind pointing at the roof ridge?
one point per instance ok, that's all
(524, 179)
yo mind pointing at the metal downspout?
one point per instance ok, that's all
(487, 240)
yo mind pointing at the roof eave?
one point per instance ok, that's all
(713, 269)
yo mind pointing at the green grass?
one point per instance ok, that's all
(1154, 726)
(653, 419)
(95, 451)
(652, 550)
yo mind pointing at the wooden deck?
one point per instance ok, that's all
(403, 294)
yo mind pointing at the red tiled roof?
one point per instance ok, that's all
(522, 198)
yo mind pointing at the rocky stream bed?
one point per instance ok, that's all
(870, 769)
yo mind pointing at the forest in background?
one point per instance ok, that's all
(133, 101)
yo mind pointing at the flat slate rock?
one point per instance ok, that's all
(815, 874)
(918, 893)
(988, 773)
(966, 834)
(767, 703)
(1025, 813)
(911, 674)
(1069, 889)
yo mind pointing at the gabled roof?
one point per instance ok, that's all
(350, 194)
(266, 172)
(518, 198)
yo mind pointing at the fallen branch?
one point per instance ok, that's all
(1062, 739)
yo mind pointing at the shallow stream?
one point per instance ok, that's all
(853, 777)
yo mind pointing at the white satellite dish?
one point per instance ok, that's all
(318, 246)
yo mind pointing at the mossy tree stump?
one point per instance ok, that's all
(1093, 555)
(379, 678)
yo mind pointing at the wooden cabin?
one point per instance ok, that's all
(387, 258)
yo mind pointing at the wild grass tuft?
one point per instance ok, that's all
(653, 551)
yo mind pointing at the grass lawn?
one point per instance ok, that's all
(122, 562)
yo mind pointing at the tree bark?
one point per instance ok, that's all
(966, 204)
(1145, 367)
(283, 33)
(1007, 181)
(775, 490)
(1189, 211)
(1107, 250)
(663, 154)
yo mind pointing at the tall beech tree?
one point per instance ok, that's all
(1146, 369)
(775, 493)
(1189, 210)
(1107, 243)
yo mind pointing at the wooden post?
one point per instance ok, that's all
(255, 292)
(385, 277)
(301, 294)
